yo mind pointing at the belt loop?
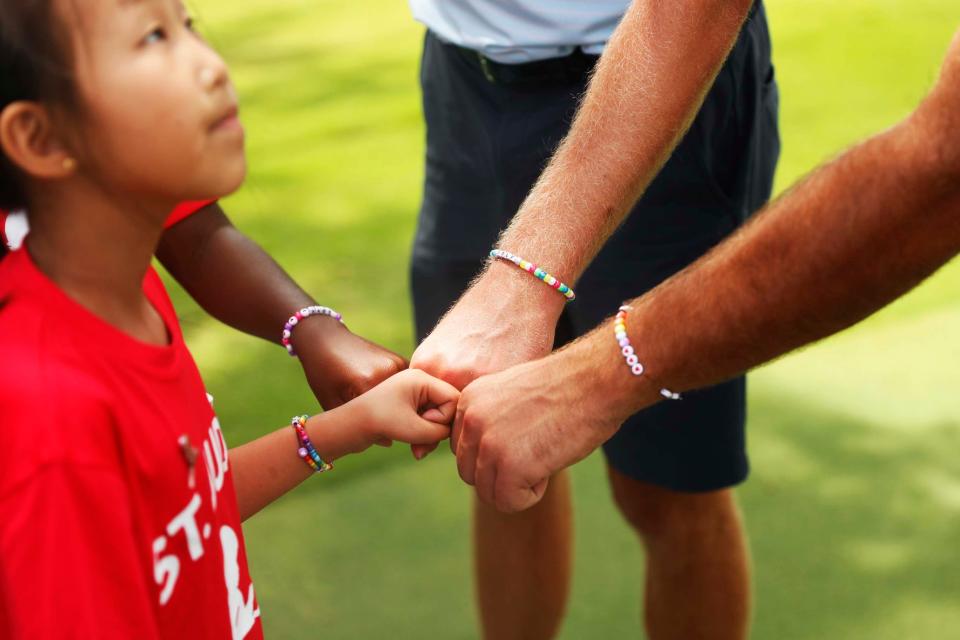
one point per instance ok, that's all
(485, 67)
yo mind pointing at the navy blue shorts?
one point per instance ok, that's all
(491, 130)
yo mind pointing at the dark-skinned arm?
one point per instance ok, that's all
(238, 283)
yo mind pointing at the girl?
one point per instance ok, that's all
(121, 509)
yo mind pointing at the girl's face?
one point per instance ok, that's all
(158, 115)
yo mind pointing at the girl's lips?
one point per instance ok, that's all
(228, 122)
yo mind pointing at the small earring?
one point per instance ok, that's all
(69, 164)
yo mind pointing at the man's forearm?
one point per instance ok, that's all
(854, 236)
(647, 88)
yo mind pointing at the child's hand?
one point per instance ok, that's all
(411, 407)
(340, 365)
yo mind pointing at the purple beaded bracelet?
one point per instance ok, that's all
(629, 355)
(295, 319)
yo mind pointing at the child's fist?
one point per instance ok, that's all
(411, 406)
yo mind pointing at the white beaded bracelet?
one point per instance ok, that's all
(629, 354)
(306, 312)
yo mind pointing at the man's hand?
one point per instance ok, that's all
(507, 317)
(340, 365)
(516, 428)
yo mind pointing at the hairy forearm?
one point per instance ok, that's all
(854, 236)
(645, 92)
(229, 275)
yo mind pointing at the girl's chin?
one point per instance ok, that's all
(228, 179)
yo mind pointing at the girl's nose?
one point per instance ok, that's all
(213, 70)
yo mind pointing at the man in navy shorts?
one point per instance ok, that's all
(502, 85)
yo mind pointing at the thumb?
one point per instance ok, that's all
(516, 499)
(444, 414)
(424, 432)
(435, 394)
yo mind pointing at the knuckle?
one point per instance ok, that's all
(492, 451)
(468, 420)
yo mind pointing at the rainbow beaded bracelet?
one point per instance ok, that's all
(629, 354)
(536, 272)
(306, 312)
(306, 450)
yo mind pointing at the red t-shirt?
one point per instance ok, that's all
(110, 526)
(14, 227)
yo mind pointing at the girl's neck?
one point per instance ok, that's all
(97, 249)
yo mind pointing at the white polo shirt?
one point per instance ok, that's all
(517, 31)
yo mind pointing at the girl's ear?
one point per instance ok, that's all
(29, 140)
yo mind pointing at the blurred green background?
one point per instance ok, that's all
(854, 503)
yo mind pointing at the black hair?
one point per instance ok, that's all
(34, 65)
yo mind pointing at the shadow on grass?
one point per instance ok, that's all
(854, 526)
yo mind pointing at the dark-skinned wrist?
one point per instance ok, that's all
(315, 330)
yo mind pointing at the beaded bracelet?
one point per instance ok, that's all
(536, 271)
(629, 355)
(295, 319)
(306, 450)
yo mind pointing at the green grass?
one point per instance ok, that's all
(854, 500)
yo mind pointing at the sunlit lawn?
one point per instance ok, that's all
(854, 502)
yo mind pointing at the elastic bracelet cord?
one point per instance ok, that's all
(306, 449)
(535, 271)
(629, 354)
(295, 319)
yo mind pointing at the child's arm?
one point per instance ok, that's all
(238, 283)
(411, 407)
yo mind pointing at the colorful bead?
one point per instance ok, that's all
(296, 318)
(306, 451)
(629, 353)
(536, 271)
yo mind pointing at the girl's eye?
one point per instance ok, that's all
(157, 35)
(189, 24)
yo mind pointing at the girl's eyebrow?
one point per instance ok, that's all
(130, 3)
